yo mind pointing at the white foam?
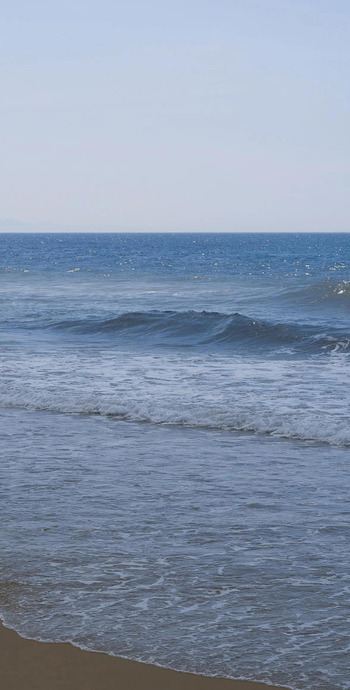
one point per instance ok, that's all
(292, 399)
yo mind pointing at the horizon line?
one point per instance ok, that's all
(174, 232)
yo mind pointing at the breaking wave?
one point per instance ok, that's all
(312, 425)
(192, 328)
(326, 293)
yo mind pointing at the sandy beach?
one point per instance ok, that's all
(30, 665)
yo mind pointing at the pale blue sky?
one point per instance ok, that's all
(174, 115)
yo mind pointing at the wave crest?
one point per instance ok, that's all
(322, 294)
(192, 328)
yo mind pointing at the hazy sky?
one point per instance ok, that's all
(226, 115)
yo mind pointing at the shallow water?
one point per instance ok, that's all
(174, 440)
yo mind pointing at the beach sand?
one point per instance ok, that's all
(30, 665)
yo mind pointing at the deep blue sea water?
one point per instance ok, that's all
(175, 449)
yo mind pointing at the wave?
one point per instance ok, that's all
(192, 328)
(234, 415)
(327, 293)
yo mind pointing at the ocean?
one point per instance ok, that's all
(174, 425)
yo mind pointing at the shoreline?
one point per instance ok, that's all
(30, 665)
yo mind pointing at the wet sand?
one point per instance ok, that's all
(30, 665)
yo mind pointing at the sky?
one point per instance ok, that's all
(175, 115)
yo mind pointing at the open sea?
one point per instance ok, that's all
(175, 449)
